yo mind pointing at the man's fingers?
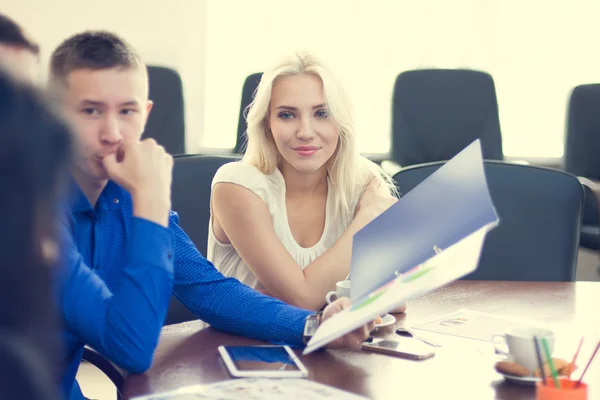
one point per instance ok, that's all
(344, 303)
(371, 326)
(120, 154)
(358, 340)
(149, 141)
(364, 333)
(110, 163)
(335, 307)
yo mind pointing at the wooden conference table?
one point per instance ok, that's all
(462, 368)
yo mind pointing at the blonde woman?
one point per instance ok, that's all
(283, 217)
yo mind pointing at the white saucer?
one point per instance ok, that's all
(388, 319)
(520, 380)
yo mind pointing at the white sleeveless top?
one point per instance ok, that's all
(271, 189)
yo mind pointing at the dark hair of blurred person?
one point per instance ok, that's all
(19, 54)
(34, 152)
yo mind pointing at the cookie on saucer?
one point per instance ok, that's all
(512, 368)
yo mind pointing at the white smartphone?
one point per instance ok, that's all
(411, 349)
(262, 361)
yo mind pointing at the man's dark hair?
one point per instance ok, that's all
(11, 34)
(94, 50)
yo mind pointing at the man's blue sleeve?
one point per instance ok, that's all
(123, 325)
(226, 303)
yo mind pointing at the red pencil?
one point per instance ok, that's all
(572, 365)
(587, 366)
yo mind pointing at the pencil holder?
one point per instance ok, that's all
(567, 390)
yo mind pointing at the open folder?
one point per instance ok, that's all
(432, 236)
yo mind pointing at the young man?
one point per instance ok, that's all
(102, 86)
(18, 53)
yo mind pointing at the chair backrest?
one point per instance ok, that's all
(582, 145)
(250, 85)
(540, 217)
(166, 123)
(590, 228)
(438, 112)
(192, 179)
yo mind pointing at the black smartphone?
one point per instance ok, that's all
(410, 349)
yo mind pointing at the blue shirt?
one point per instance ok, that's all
(117, 290)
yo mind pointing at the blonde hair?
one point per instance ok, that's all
(349, 172)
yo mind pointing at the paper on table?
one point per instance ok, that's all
(473, 324)
(255, 389)
(477, 325)
(455, 261)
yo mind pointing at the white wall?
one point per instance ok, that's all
(251, 39)
(170, 35)
(536, 50)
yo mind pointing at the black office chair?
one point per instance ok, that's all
(166, 123)
(582, 154)
(438, 112)
(248, 90)
(540, 217)
(192, 179)
(114, 373)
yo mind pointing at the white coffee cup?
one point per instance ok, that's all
(342, 289)
(519, 346)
